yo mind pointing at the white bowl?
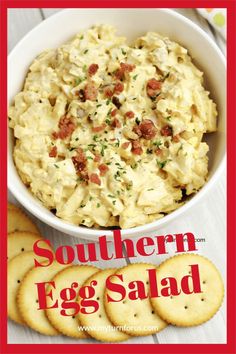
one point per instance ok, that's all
(131, 23)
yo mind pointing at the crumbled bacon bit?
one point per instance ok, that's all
(136, 148)
(80, 166)
(176, 138)
(53, 152)
(127, 67)
(81, 95)
(114, 112)
(119, 74)
(103, 168)
(158, 152)
(66, 127)
(93, 68)
(97, 158)
(99, 128)
(90, 91)
(119, 87)
(137, 131)
(80, 163)
(124, 67)
(152, 93)
(129, 114)
(147, 129)
(80, 152)
(125, 145)
(84, 175)
(54, 135)
(154, 84)
(94, 178)
(166, 130)
(52, 101)
(108, 91)
(116, 123)
(153, 87)
(116, 102)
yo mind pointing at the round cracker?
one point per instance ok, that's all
(17, 267)
(98, 322)
(68, 325)
(11, 206)
(27, 298)
(189, 309)
(21, 241)
(18, 221)
(138, 314)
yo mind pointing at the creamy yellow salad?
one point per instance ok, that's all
(110, 134)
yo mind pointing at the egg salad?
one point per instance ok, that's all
(109, 134)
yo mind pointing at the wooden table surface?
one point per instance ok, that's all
(207, 220)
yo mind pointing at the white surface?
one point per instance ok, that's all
(206, 220)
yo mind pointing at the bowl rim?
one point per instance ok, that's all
(39, 209)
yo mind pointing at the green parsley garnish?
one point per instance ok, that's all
(98, 205)
(162, 164)
(154, 97)
(117, 175)
(129, 186)
(117, 144)
(135, 77)
(95, 137)
(79, 80)
(166, 76)
(56, 165)
(123, 51)
(86, 51)
(92, 146)
(137, 121)
(157, 143)
(102, 149)
(109, 112)
(134, 166)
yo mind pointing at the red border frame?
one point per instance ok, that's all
(230, 347)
